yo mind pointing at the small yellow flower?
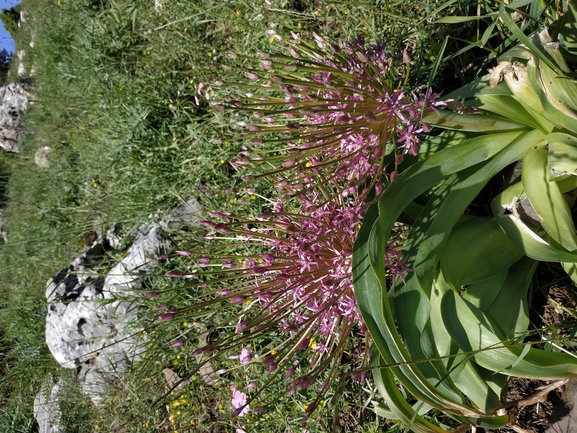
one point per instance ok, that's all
(120, 89)
(209, 54)
(253, 197)
(271, 40)
(238, 11)
(185, 324)
(305, 406)
(222, 161)
(145, 425)
(247, 302)
(273, 352)
(175, 403)
(170, 106)
(232, 201)
(308, 164)
(220, 405)
(193, 377)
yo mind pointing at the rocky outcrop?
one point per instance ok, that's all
(14, 99)
(91, 318)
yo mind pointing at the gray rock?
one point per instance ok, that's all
(91, 313)
(41, 157)
(564, 419)
(47, 408)
(14, 99)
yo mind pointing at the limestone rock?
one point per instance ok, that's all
(41, 157)
(91, 312)
(14, 99)
(47, 408)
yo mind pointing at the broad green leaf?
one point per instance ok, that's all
(504, 208)
(571, 269)
(506, 106)
(477, 251)
(562, 156)
(476, 88)
(395, 402)
(489, 123)
(550, 112)
(547, 199)
(461, 368)
(521, 81)
(474, 333)
(368, 260)
(510, 307)
(482, 294)
(459, 199)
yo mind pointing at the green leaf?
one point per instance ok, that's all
(562, 156)
(462, 371)
(510, 307)
(459, 199)
(464, 19)
(395, 402)
(504, 208)
(474, 332)
(477, 251)
(471, 122)
(547, 199)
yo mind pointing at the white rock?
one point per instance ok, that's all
(41, 157)
(14, 99)
(47, 408)
(89, 326)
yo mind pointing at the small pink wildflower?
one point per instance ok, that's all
(244, 356)
(239, 402)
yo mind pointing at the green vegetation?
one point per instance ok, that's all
(114, 97)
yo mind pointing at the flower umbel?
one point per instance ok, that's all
(342, 112)
(294, 282)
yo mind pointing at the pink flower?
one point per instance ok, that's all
(239, 402)
(244, 356)
(345, 112)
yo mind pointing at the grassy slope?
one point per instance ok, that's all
(114, 98)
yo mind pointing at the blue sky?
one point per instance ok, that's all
(6, 41)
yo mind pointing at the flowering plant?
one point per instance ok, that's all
(453, 334)
(346, 123)
(340, 109)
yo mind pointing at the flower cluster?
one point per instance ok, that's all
(294, 283)
(339, 117)
(331, 119)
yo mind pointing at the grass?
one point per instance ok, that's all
(114, 97)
